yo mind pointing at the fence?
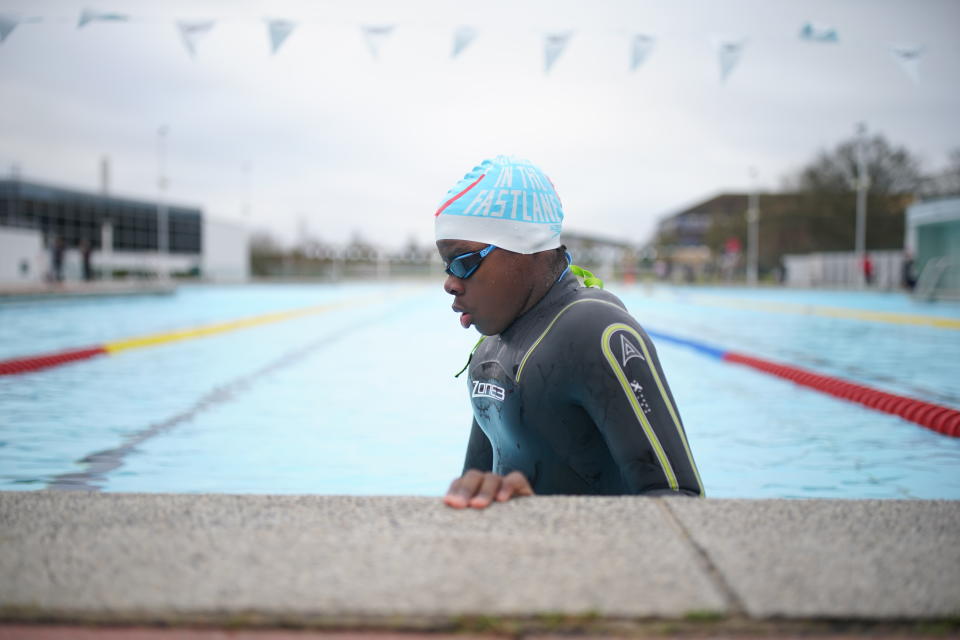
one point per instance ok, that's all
(844, 269)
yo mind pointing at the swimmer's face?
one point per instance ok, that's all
(496, 293)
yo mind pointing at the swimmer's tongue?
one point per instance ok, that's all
(465, 320)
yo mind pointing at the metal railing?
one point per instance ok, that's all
(930, 283)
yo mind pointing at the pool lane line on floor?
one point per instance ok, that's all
(100, 463)
(27, 364)
(888, 317)
(939, 418)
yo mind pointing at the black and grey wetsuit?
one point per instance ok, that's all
(572, 394)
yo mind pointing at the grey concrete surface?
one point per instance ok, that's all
(32, 292)
(345, 556)
(171, 557)
(833, 558)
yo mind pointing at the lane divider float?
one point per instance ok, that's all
(939, 418)
(27, 364)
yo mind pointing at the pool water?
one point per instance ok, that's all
(361, 399)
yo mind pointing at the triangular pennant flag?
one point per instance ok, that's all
(813, 32)
(90, 15)
(8, 22)
(908, 57)
(279, 31)
(728, 53)
(553, 46)
(191, 31)
(642, 46)
(376, 35)
(462, 38)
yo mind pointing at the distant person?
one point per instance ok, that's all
(660, 269)
(909, 274)
(56, 255)
(567, 391)
(867, 269)
(86, 248)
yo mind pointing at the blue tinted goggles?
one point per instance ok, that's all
(464, 265)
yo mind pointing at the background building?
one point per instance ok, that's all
(710, 237)
(608, 258)
(122, 235)
(933, 239)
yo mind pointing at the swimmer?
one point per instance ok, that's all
(567, 391)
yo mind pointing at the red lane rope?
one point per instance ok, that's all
(35, 363)
(932, 416)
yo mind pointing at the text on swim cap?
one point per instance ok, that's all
(515, 204)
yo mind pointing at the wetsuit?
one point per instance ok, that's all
(572, 395)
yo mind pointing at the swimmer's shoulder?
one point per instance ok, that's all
(590, 310)
(577, 327)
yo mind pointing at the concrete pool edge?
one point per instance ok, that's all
(541, 627)
(41, 292)
(573, 564)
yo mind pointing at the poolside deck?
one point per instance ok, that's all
(624, 565)
(12, 292)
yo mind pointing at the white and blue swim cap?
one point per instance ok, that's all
(506, 202)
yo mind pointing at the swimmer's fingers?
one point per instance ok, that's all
(484, 494)
(462, 489)
(478, 489)
(514, 484)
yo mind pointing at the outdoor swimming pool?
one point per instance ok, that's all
(358, 396)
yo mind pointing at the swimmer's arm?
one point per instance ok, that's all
(630, 407)
(479, 452)
(478, 487)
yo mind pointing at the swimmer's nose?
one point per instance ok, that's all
(453, 285)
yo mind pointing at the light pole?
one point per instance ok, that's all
(863, 183)
(753, 230)
(163, 234)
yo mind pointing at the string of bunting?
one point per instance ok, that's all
(728, 50)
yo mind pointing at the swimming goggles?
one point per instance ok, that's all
(465, 264)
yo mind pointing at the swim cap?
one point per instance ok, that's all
(505, 201)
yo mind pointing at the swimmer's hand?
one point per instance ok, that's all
(478, 489)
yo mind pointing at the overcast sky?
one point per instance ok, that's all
(338, 142)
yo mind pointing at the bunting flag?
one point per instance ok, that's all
(728, 53)
(91, 15)
(376, 35)
(642, 46)
(812, 32)
(191, 31)
(279, 31)
(908, 57)
(729, 50)
(462, 38)
(553, 46)
(8, 22)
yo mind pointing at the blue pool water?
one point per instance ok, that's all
(361, 399)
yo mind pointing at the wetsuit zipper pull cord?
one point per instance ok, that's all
(470, 357)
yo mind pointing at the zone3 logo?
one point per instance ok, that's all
(489, 390)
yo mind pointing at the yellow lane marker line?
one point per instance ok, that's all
(831, 312)
(154, 339)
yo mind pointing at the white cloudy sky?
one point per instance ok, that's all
(341, 143)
